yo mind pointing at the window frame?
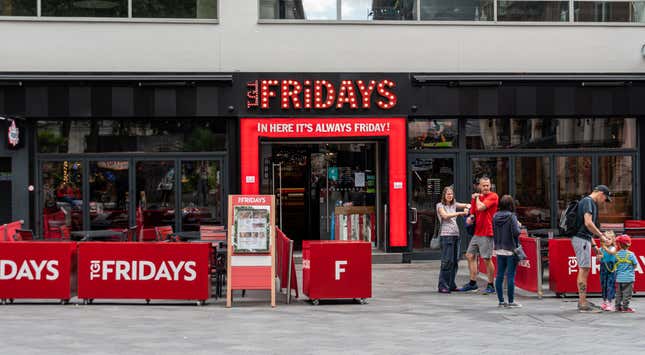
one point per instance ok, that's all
(129, 19)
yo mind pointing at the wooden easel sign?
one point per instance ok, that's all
(251, 241)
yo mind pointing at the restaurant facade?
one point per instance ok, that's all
(348, 155)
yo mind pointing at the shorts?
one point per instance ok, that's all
(482, 246)
(582, 248)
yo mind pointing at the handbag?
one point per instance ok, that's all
(518, 251)
(434, 242)
(470, 228)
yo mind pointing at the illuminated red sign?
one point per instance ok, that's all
(320, 94)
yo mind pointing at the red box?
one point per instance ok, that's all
(177, 271)
(36, 270)
(563, 267)
(336, 269)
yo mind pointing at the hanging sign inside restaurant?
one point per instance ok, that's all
(13, 135)
(321, 94)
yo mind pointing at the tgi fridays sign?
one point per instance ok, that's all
(321, 94)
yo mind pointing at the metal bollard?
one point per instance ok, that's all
(538, 243)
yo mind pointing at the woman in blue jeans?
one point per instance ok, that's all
(506, 233)
(449, 237)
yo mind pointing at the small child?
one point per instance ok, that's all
(625, 265)
(608, 272)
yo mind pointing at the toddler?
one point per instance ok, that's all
(608, 272)
(625, 264)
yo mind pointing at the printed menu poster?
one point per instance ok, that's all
(251, 229)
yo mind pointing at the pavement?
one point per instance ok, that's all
(405, 316)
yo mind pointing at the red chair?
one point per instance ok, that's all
(163, 233)
(24, 235)
(147, 235)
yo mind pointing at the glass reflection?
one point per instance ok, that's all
(457, 10)
(108, 194)
(62, 197)
(495, 168)
(426, 133)
(155, 193)
(532, 192)
(574, 179)
(201, 193)
(616, 173)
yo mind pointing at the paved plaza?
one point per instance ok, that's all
(405, 316)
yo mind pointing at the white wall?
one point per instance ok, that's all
(240, 43)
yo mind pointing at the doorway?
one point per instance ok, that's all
(324, 191)
(5, 190)
(428, 176)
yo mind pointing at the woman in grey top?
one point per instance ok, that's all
(449, 237)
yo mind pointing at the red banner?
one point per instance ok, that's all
(179, 271)
(526, 276)
(563, 267)
(36, 269)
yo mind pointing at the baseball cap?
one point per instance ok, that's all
(624, 240)
(605, 190)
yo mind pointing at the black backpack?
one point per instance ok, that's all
(569, 220)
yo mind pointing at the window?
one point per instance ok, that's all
(574, 179)
(18, 8)
(532, 192)
(361, 10)
(609, 11)
(533, 133)
(457, 10)
(495, 168)
(85, 8)
(62, 196)
(201, 9)
(616, 173)
(533, 11)
(436, 133)
(163, 9)
(96, 136)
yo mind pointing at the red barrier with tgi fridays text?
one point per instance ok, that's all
(178, 271)
(563, 267)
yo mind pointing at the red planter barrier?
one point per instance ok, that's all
(563, 267)
(285, 266)
(178, 271)
(526, 277)
(36, 270)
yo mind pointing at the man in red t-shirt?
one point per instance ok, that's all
(484, 205)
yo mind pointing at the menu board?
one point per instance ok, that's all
(251, 229)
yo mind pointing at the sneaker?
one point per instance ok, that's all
(610, 307)
(488, 290)
(468, 287)
(604, 306)
(514, 305)
(628, 310)
(619, 309)
(589, 308)
(444, 290)
(502, 305)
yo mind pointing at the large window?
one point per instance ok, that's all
(96, 136)
(533, 191)
(362, 10)
(18, 8)
(454, 10)
(538, 133)
(610, 11)
(433, 133)
(574, 179)
(616, 173)
(494, 168)
(162, 9)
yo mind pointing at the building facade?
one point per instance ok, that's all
(355, 114)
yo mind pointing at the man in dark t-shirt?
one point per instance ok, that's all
(582, 242)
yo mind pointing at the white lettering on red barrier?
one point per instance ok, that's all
(29, 269)
(339, 269)
(595, 264)
(142, 270)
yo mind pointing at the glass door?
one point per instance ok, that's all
(429, 174)
(5, 190)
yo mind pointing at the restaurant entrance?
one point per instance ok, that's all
(326, 191)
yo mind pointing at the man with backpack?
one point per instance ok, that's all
(588, 227)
